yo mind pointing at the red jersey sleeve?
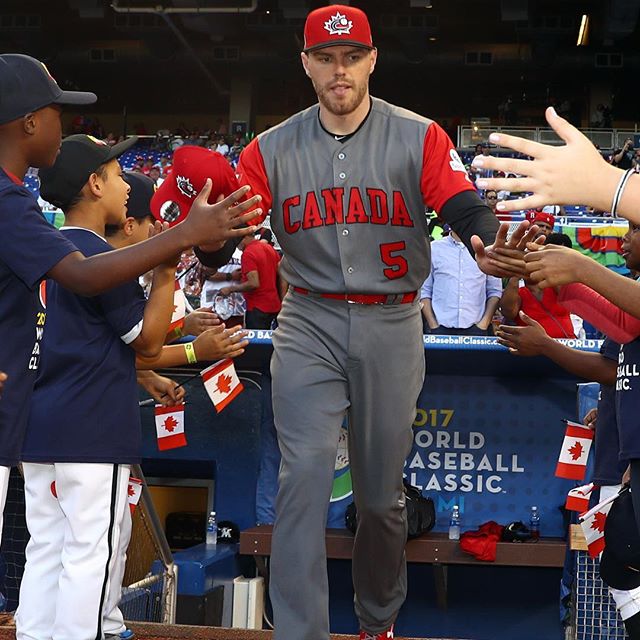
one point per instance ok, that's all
(615, 323)
(251, 171)
(443, 174)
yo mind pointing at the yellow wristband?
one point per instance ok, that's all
(191, 353)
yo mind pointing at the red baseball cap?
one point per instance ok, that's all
(337, 24)
(547, 218)
(191, 167)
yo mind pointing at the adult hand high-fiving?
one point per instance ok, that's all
(573, 173)
(505, 258)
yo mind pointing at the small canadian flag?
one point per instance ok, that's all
(170, 427)
(179, 312)
(578, 498)
(134, 492)
(572, 462)
(592, 523)
(222, 383)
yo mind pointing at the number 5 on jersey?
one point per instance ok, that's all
(397, 264)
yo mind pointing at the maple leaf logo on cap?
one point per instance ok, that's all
(576, 451)
(185, 187)
(338, 25)
(223, 383)
(170, 424)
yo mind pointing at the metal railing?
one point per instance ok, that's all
(470, 135)
(149, 594)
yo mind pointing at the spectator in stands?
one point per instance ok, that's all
(222, 147)
(259, 283)
(237, 146)
(457, 298)
(154, 174)
(165, 165)
(540, 304)
(147, 165)
(491, 199)
(545, 221)
(623, 158)
(138, 164)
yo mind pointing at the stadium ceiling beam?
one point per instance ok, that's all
(162, 10)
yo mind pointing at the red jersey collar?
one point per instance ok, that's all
(13, 177)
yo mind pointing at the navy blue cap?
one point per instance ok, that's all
(142, 190)
(80, 156)
(26, 86)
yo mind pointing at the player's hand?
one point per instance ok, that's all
(591, 418)
(531, 340)
(164, 390)
(236, 275)
(3, 378)
(504, 258)
(225, 291)
(210, 225)
(574, 173)
(220, 342)
(554, 266)
(200, 320)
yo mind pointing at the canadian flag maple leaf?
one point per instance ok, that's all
(223, 383)
(598, 522)
(576, 451)
(131, 491)
(170, 424)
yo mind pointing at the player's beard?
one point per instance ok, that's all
(341, 107)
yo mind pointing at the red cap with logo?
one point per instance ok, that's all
(547, 218)
(191, 167)
(337, 24)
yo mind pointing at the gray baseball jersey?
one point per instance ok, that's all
(349, 216)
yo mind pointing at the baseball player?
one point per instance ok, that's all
(347, 181)
(30, 135)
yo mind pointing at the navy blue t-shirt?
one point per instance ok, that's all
(608, 468)
(29, 248)
(628, 400)
(85, 401)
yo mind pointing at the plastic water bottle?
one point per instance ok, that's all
(454, 523)
(212, 530)
(534, 524)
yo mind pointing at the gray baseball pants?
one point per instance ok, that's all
(332, 357)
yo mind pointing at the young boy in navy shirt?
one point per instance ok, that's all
(30, 135)
(221, 343)
(84, 426)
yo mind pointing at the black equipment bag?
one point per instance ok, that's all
(421, 513)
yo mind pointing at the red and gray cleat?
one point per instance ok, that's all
(385, 635)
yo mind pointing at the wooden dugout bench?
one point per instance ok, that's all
(432, 548)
